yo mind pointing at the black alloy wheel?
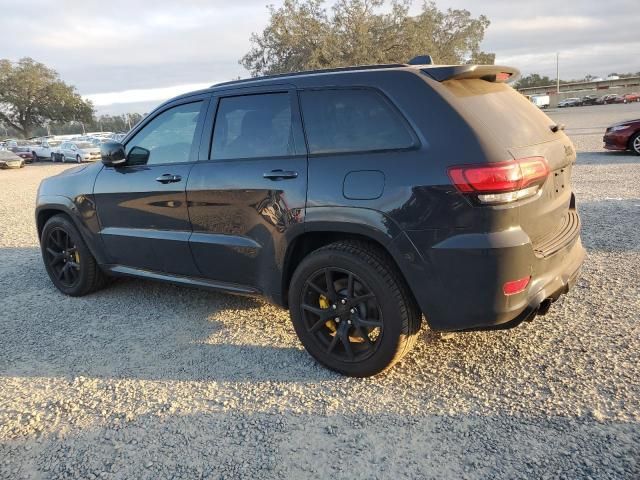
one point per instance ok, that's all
(343, 314)
(67, 259)
(351, 308)
(62, 257)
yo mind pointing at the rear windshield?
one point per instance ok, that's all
(513, 119)
(85, 145)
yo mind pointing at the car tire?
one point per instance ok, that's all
(78, 159)
(35, 157)
(63, 249)
(352, 280)
(634, 143)
(53, 158)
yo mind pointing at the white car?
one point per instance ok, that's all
(45, 148)
(78, 152)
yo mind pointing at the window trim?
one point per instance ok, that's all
(195, 147)
(416, 144)
(299, 141)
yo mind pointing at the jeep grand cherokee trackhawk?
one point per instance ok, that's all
(359, 198)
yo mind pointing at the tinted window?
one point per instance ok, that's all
(351, 120)
(501, 110)
(169, 136)
(253, 126)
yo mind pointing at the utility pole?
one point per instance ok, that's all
(558, 73)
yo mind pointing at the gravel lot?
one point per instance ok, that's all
(145, 380)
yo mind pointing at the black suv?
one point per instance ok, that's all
(359, 198)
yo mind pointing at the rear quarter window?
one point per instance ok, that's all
(352, 120)
(507, 114)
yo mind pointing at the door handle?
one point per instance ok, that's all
(280, 174)
(168, 178)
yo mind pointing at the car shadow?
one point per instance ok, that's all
(141, 329)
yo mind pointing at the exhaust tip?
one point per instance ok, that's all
(545, 306)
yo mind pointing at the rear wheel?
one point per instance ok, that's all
(53, 158)
(78, 159)
(351, 309)
(634, 144)
(35, 157)
(68, 261)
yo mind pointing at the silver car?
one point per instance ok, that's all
(78, 152)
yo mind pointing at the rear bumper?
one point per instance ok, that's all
(459, 284)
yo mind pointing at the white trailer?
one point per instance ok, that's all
(540, 101)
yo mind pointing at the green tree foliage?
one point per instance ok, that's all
(305, 35)
(534, 80)
(31, 94)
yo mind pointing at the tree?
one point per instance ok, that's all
(303, 35)
(534, 80)
(32, 94)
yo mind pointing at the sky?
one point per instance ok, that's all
(128, 56)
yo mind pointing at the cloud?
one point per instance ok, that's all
(143, 95)
(125, 50)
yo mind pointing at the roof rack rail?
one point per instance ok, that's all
(312, 72)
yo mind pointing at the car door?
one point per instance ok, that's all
(142, 205)
(247, 193)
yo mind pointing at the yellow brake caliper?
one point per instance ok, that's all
(325, 304)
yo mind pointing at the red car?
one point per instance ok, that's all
(623, 136)
(631, 97)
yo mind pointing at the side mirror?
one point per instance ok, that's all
(112, 154)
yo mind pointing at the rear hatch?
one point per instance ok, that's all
(521, 130)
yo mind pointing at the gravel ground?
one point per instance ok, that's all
(146, 380)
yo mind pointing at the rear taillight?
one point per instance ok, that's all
(501, 182)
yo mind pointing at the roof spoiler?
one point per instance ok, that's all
(490, 73)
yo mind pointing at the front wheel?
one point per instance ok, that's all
(634, 144)
(78, 159)
(352, 310)
(68, 261)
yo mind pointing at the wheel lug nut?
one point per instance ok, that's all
(343, 301)
(352, 310)
(334, 307)
(337, 319)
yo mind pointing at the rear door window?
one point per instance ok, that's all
(253, 126)
(352, 120)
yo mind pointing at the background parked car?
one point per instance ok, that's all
(78, 152)
(631, 97)
(45, 148)
(623, 136)
(24, 152)
(610, 98)
(569, 102)
(8, 159)
(589, 100)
